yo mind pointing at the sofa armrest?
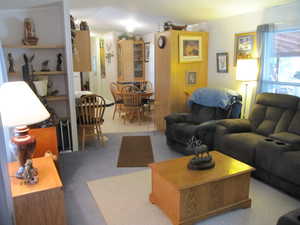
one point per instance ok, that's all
(209, 126)
(291, 218)
(178, 118)
(235, 125)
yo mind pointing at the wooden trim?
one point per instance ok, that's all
(42, 73)
(34, 46)
(57, 98)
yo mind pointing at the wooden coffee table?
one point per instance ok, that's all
(187, 196)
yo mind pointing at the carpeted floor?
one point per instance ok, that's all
(100, 162)
(119, 206)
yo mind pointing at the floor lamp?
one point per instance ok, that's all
(246, 72)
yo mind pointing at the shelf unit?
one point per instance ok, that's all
(61, 108)
(48, 73)
(35, 46)
(40, 73)
(57, 98)
(52, 26)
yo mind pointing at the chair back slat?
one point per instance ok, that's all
(131, 97)
(91, 109)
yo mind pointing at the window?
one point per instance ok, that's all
(281, 70)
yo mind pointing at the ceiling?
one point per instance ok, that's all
(107, 15)
(21, 4)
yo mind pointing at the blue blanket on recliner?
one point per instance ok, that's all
(213, 97)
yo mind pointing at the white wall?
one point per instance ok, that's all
(221, 38)
(111, 69)
(150, 66)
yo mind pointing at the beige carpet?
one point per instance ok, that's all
(123, 200)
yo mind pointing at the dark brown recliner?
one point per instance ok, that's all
(269, 140)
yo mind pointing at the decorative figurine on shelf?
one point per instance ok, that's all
(73, 33)
(11, 63)
(29, 32)
(51, 91)
(202, 159)
(59, 62)
(84, 25)
(45, 66)
(27, 70)
(30, 174)
(169, 25)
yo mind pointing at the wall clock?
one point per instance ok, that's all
(161, 41)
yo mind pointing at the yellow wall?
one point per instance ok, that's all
(171, 86)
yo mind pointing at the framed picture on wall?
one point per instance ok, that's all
(191, 78)
(245, 46)
(190, 49)
(147, 51)
(222, 62)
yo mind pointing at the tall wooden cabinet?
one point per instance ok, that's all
(131, 65)
(171, 76)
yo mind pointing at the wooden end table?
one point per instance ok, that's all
(187, 196)
(41, 203)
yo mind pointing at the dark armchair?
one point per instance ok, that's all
(180, 127)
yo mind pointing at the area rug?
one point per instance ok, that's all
(135, 151)
(123, 200)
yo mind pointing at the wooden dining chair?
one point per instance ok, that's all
(117, 98)
(147, 87)
(132, 103)
(90, 117)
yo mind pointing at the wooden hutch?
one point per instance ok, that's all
(131, 66)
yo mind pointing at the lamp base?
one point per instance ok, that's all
(24, 148)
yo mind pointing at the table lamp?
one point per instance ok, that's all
(19, 107)
(246, 71)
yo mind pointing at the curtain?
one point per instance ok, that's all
(264, 37)
(6, 209)
(3, 79)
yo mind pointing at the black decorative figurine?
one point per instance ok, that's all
(45, 66)
(59, 62)
(11, 63)
(202, 159)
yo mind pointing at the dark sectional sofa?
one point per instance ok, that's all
(269, 140)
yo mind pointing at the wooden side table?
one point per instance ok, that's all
(41, 203)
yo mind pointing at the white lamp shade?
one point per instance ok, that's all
(246, 70)
(20, 106)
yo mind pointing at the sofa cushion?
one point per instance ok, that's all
(272, 113)
(279, 161)
(200, 114)
(182, 132)
(241, 146)
(294, 125)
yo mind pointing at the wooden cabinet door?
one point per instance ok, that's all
(82, 52)
(126, 60)
(46, 140)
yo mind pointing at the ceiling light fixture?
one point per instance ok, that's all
(130, 25)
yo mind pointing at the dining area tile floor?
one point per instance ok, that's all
(117, 125)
